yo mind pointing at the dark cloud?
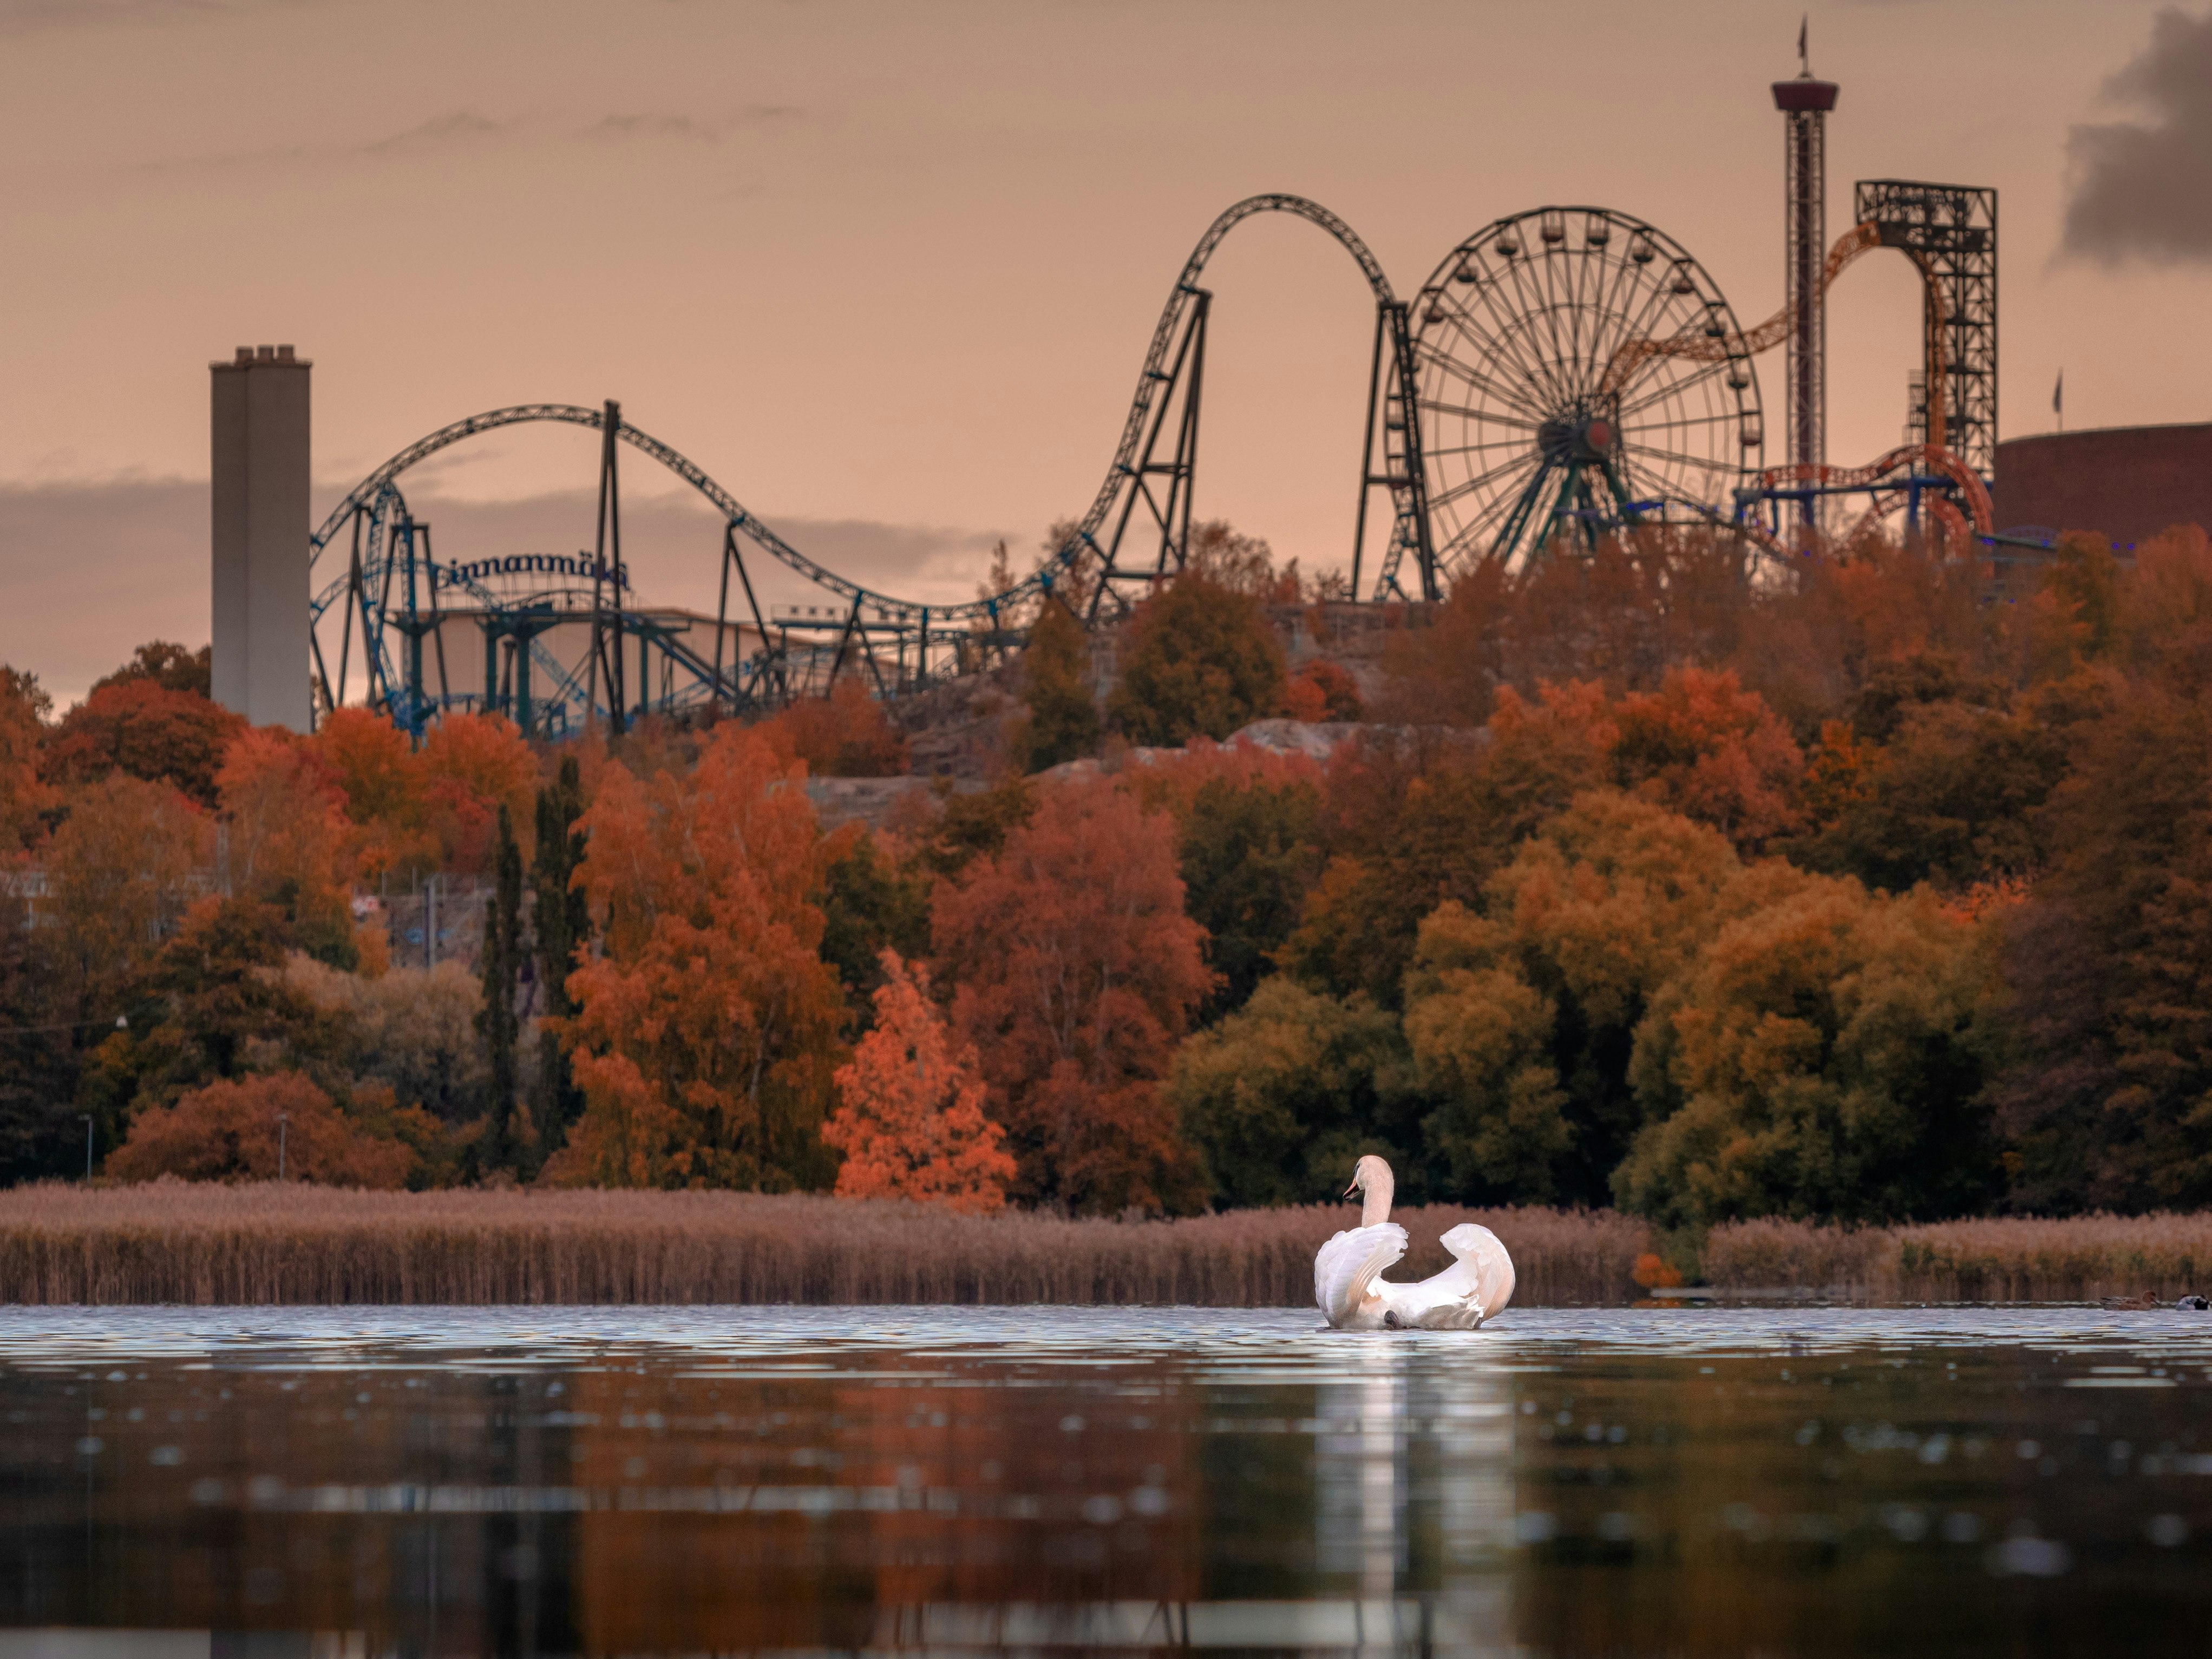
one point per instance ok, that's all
(2143, 190)
(95, 567)
(27, 17)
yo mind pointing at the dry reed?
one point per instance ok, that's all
(2012, 1259)
(173, 1242)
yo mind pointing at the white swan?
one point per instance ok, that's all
(1354, 1296)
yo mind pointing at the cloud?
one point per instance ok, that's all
(440, 134)
(97, 567)
(615, 129)
(2143, 190)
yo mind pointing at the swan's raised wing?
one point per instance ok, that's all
(1345, 1268)
(1480, 1268)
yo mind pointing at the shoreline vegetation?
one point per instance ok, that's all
(268, 1243)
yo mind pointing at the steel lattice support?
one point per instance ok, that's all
(1805, 103)
(1950, 231)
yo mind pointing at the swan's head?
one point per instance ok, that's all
(1367, 1175)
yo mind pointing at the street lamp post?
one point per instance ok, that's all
(86, 1116)
(282, 1118)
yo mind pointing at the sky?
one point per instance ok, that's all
(887, 271)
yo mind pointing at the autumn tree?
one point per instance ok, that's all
(230, 1131)
(970, 825)
(385, 787)
(471, 765)
(1075, 972)
(1200, 660)
(142, 727)
(1823, 1056)
(846, 734)
(909, 1120)
(121, 867)
(25, 796)
(412, 1031)
(705, 1036)
(2109, 966)
(561, 921)
(1410, 822)
(1711, 750)
(1322, 691)
(169, 665)
(215, 1005)
(1522, 1016)
(1284, 1096)
(1061, 722)
(288, 844)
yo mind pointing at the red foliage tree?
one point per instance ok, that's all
(24, 797)
(911, 1123)
(228, 1131)
(142, 727)
(1077, 973)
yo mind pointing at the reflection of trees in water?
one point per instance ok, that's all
(930, 1482)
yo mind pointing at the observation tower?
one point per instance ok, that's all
(1805, 103)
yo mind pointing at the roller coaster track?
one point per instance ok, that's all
(1153, 384)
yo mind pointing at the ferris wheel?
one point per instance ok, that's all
(1578, 373)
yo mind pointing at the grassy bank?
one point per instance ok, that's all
(2021, 1259)
(204, 1244)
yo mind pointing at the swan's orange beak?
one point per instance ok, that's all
(1352, 1188)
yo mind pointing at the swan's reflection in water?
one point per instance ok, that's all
(1418, 1453)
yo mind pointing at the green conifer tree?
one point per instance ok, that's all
(563, 920)
(502, 1147)
(1063, 719)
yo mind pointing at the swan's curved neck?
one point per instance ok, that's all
(1377, 1209)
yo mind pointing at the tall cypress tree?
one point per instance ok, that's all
(502, 1147)
(564, 921)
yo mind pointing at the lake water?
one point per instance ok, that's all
(1660, 1481)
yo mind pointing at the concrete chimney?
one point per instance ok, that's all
(259, 433)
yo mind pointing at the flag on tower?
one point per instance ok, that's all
(2058, 400)
(1804, 63)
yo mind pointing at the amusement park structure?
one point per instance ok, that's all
(1562, 375)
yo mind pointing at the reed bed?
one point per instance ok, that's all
(2007, 1258)
(173, 1242)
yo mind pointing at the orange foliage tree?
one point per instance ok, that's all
(846, 734)
(705, 1037)
(1077, 973)
(289, 845)
(121, 866)
(471, 766)
(382, 782)
(228, 1131)
(910, 1122)
(1322, 691)
(1711, 751)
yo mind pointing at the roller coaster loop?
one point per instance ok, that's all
(1154, 386)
